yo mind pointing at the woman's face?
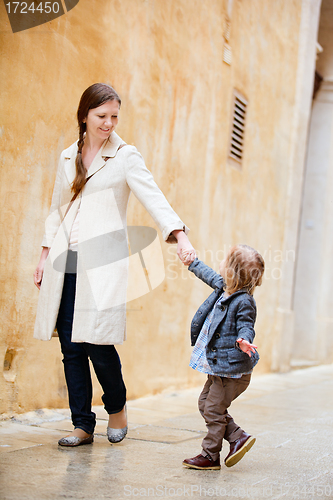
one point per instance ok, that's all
(102, 121)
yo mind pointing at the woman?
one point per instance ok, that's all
(82, 272)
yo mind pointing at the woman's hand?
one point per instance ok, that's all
(38, 274)
(246, 347)
(185, 250)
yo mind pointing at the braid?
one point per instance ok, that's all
(80, 177)
(80, 142)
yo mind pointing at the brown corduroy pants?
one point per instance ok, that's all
(214, 401)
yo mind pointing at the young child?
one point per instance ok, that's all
(222, 334)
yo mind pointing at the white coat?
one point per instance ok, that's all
(102, 273)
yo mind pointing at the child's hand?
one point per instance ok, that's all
(188, 256)
(246, 347)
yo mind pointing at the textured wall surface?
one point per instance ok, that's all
(313, 285)
(165, 58)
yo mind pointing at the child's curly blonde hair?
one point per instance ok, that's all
(244, 268)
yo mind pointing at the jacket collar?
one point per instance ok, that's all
(231, 297)
(108, 150)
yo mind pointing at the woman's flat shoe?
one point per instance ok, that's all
(75, 441)
(116, 435)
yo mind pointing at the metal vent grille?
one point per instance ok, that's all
(238, 128)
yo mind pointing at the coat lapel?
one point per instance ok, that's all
(108, 150)
(218, 317)
(221, 313)
(70, 169)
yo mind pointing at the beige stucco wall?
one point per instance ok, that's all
(313, 286)
(164, 57)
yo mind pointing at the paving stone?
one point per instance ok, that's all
(290, 414)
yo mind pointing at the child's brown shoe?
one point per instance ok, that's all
(238, 449)
(201, 462)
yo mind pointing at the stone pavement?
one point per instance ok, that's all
(290, 414)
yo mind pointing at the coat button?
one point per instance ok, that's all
(214, 361)
(217, 335)
(223, 307)
(213, 349)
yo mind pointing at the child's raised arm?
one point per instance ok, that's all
(206, 274)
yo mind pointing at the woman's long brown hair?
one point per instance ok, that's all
(93, 97)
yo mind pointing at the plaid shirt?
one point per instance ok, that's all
(198, 359)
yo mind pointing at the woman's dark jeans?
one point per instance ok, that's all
(105, 361)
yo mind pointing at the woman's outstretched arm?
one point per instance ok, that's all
(143, 186)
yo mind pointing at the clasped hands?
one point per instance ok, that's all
(187, 256)
(185, 250)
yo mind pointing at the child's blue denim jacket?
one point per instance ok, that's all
(234, 318)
